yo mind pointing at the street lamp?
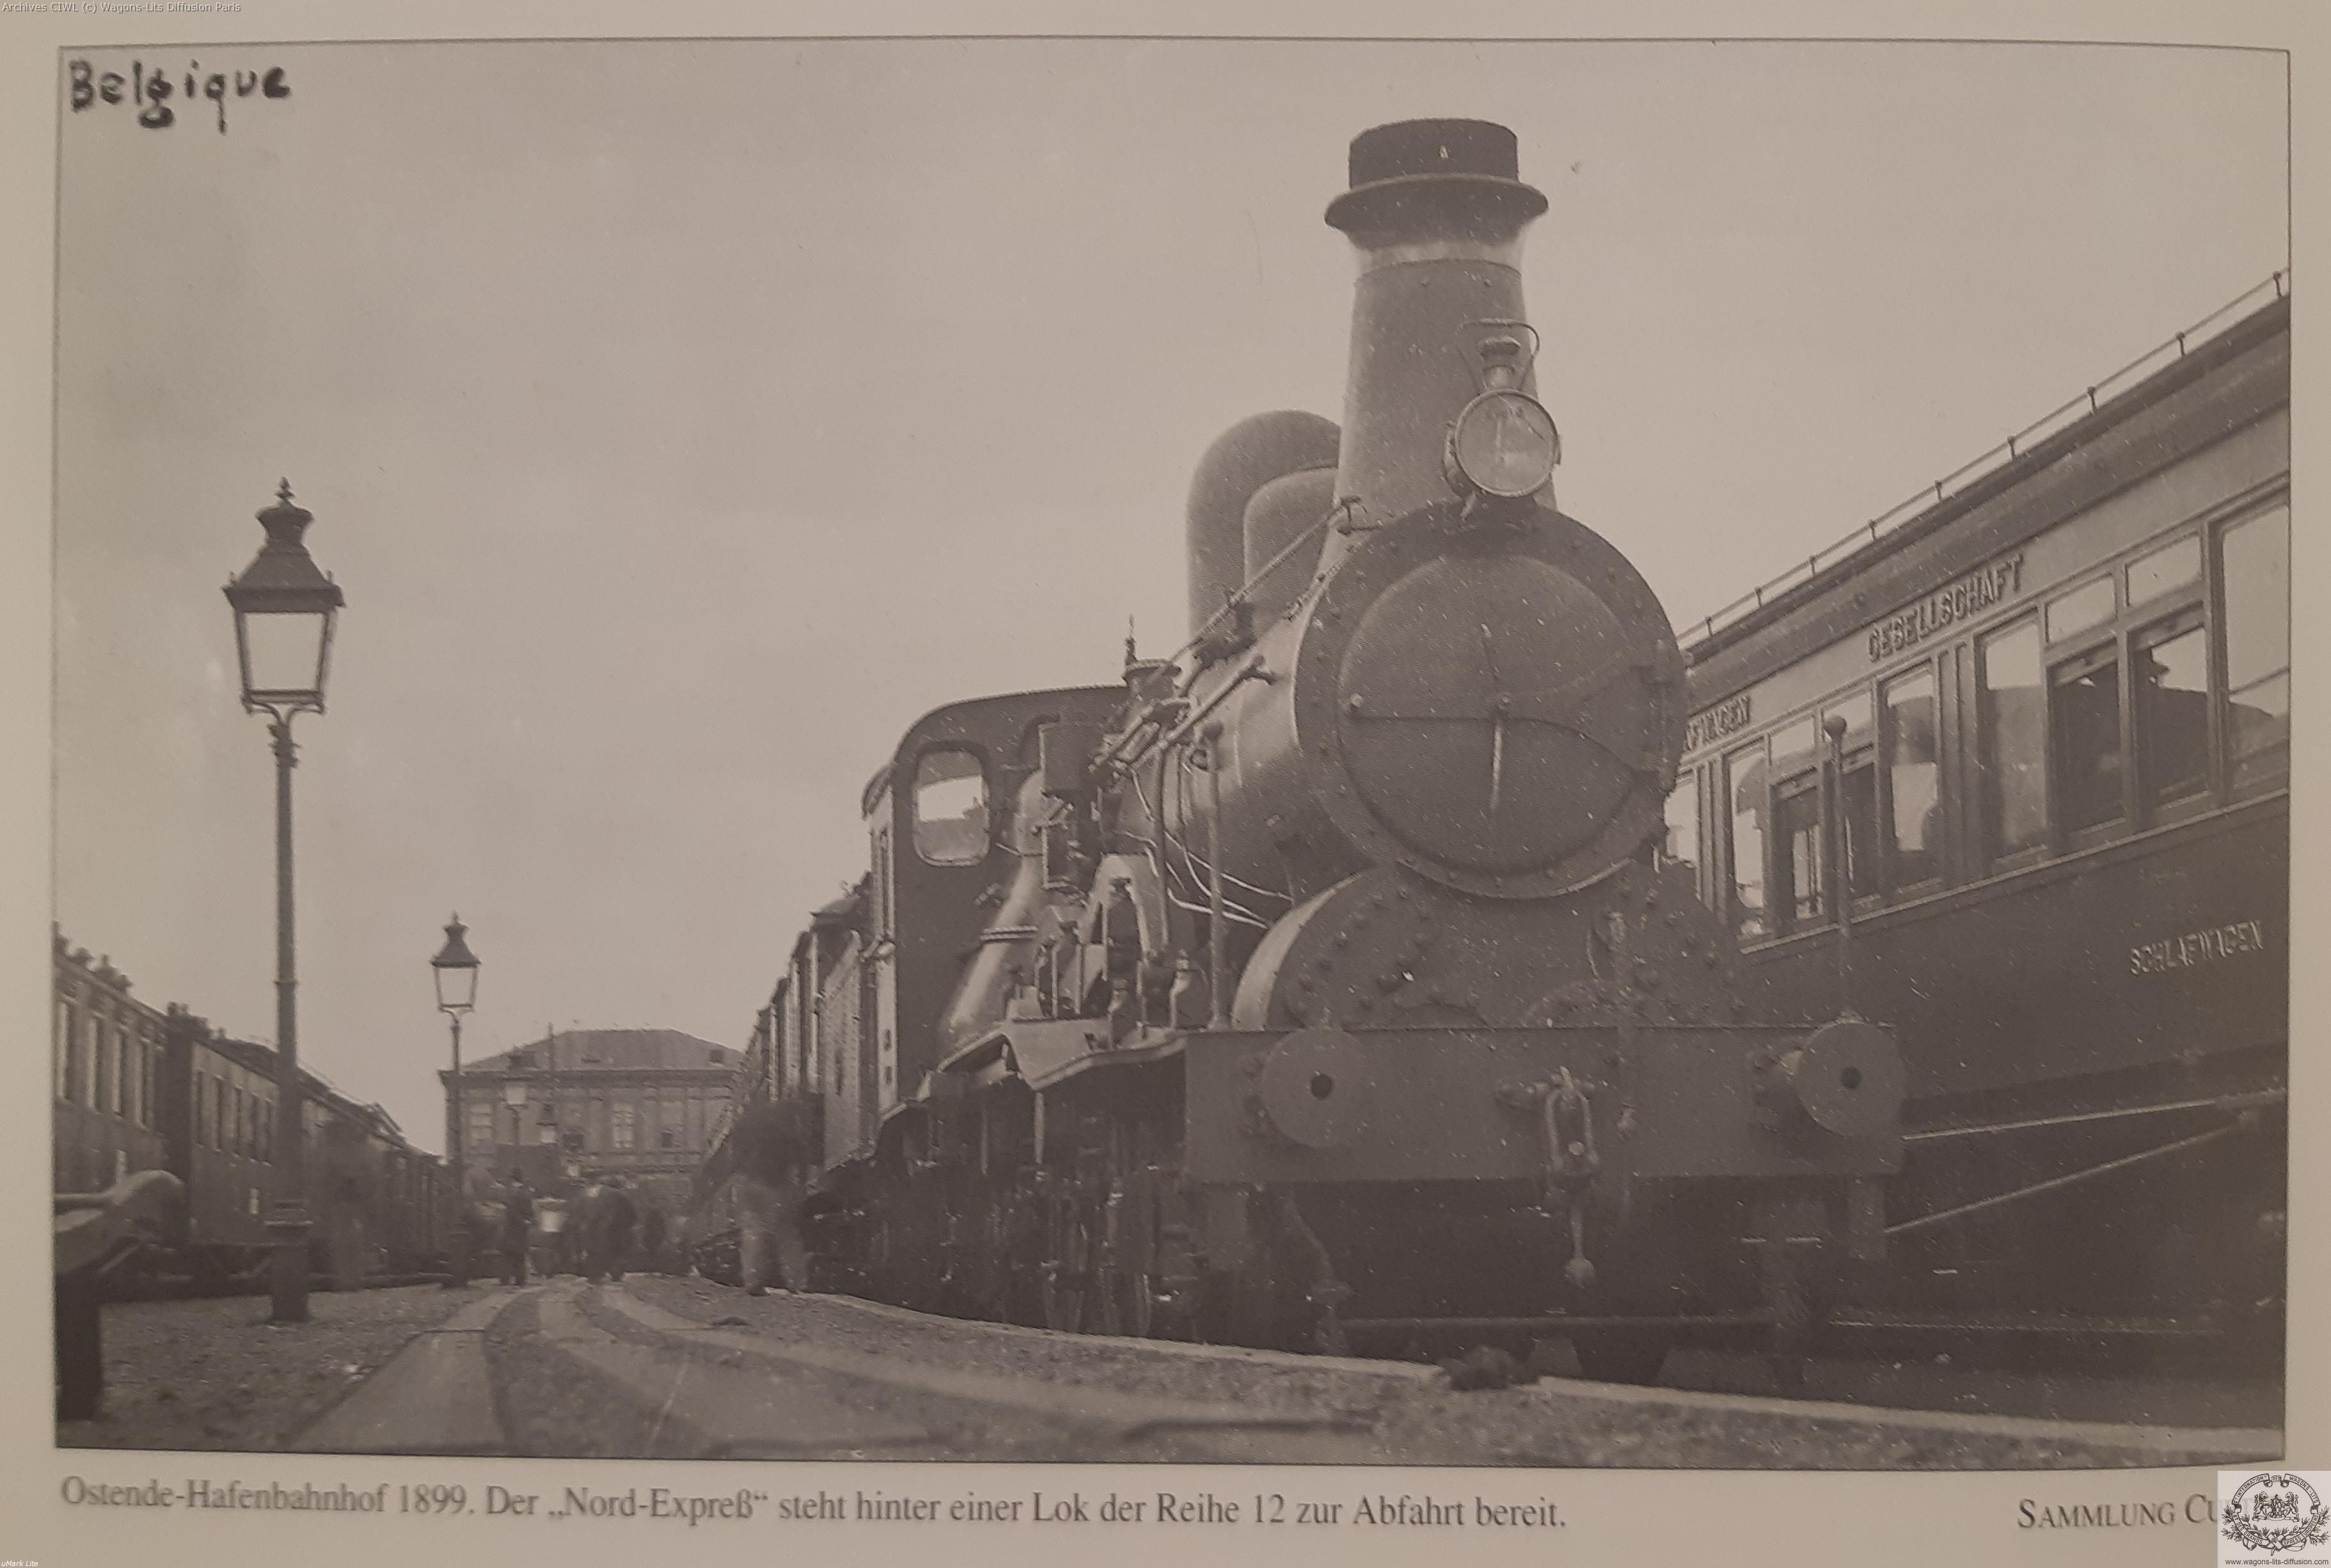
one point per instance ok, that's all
(284, 606)
(455, 970)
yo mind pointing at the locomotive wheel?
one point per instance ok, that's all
(1621, 1354)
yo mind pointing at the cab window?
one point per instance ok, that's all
(950, 808)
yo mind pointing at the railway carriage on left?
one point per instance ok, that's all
(134, 1087)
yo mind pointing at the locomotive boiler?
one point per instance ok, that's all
(1323, 984)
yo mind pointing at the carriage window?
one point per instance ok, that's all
(1796, 823)
(1914, 803)
(2174, 566)
(1681, 846)
(950, 809)
(1857, 789)
(2013, 751)
(2083, 607)
(1855, 711)
(2255, 558)
(2084, 713)
(1797, 869)
(2170, 667)
(1744, 785)
(1793, 748)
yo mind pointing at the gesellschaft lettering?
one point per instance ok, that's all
(1971, 595)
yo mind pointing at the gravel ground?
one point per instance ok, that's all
(1415, 1421)
(216, 1374)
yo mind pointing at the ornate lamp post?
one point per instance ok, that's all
(455, 970)
(284, 606)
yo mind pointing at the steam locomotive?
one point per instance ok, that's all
(1320, 985)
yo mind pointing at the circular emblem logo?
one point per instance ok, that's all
(2276, 1512)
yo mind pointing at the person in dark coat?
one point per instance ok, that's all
(622, 1226)
(608, 1217)
(586, 1216)
(767, 1148)
(517, 1229)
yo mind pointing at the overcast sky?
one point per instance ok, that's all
(684, 420)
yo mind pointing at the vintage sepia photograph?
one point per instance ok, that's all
(1286, 752)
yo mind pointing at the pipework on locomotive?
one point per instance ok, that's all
(1319, 986)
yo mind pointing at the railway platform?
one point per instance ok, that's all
(665, 1367)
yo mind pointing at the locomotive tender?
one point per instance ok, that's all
(2064, 795)
(1316, 985)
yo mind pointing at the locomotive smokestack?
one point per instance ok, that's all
(1435, 212)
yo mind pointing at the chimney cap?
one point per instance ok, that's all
(1436, 173)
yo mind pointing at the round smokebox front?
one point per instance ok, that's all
(1502, 713)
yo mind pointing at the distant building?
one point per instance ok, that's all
(645, 1102)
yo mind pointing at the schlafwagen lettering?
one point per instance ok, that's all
(2197, 947)
(150, 91)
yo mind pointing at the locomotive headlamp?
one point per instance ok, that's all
(1503, 445)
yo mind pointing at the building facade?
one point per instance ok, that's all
(644, 1102)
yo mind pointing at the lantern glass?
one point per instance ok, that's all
(457, 986)
(285, 654)
(455, 970)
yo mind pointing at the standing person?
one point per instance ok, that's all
(620, 1216)
(517, 1227)
(768, 1151)
(589, 1222)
